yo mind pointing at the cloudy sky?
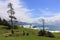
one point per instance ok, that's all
(32, 10)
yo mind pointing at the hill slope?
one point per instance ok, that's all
(32, 35)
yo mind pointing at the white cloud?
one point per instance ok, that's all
(50, 20)
(49, 15)
(21, 12)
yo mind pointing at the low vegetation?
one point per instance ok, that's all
(29, 34)
(45, 33)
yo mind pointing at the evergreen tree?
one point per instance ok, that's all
(11, 12)
(0, 21)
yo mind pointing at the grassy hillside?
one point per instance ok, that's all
(32, 35)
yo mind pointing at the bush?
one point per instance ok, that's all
(49, 34)
(45, 33)
(27, 34)
(41, 33)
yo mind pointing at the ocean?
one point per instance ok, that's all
(47, 29)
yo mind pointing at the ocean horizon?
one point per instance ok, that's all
(47, 29)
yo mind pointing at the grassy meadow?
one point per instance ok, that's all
(18, 34)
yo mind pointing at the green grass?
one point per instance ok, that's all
(32, 35)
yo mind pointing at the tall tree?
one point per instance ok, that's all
(11, 13)
(42, 32)
(43, 24)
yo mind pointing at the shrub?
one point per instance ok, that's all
(27, 34)
(45, 33)
(49, 34)
(41, 33)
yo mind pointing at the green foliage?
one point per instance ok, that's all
(6, 24)
(45, 33)
(49, 34)
(41, 33)
(1, 21)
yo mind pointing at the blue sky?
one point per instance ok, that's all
(52, 6)
(36, 4)
(32, 10)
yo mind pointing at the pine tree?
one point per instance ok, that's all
(0, 21)
(11, 12)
